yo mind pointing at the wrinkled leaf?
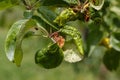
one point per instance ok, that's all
(76, 36)
(49, 57)
(71, 53)
(97, 4)
(65, 16)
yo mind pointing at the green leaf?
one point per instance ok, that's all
(29, 34)
(49, 57)
(111, 59)
(76, 36)
(14, 40)
(47, 16)
(114, 43)
(94, 37)
(58, 2)
(117, 35)
(15, 2)
(116, 22)
(97, 4)
(19, 38)
(8, 3)
(53, 3)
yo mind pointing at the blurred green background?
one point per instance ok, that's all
(91, 68)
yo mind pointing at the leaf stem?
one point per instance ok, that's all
(43, 29)
(79, 2)
(29, 3)
(24, 2)
(35, 3)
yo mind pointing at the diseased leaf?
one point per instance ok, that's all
(65, 16)
(49, 57)
(11, 39)
(14, 40)
(97, 4)
(18, 50)
(76, 36)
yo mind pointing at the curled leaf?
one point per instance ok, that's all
(97, 4)
(49, 57)
(14, 40)
(65, 16)
(10, 43)
(76, 36)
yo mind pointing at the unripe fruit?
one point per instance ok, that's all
(105, 42)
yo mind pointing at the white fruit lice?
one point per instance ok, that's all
(71, 56)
